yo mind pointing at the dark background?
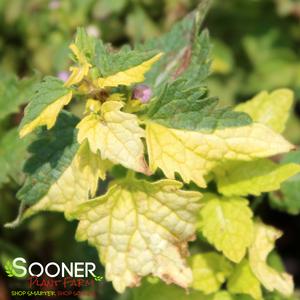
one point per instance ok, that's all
(256, 47)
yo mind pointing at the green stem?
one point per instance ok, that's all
(130, 175)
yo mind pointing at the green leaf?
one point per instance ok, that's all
(141, 228)
(48, 93)
(51, 153)
(61, 174)
(288, 197)
(223, 295)
(254, 177)
(227, 224)
(243, 281)
(13, 154)
(210, 271)
(129, 76)
(184, 106)
(13, 93)
(110, 63)
(178, 45)
(162, 291)
(196, 68)
(85, 44)
(182, 102)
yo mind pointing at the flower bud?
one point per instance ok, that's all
(63, 75)
(142, 92)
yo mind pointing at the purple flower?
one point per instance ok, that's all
(142, 92)
(63, 75)
(54, 4)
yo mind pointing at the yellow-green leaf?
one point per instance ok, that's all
(243, 281)
(46, 101)
(48, 116)
(210, 271)
(254, 177)
(78, 72)
(227, 224)
(116, 134)
(270, 109)
(133, 75)
(92, 106)
(74, 186)
(193, 154)
(264, 241)
(141, 228)
(222, 295)
(160, 291)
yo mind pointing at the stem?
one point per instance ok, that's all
(130, 175)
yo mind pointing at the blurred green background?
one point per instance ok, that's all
(256, 47)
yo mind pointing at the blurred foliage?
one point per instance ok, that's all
(35, 34)
(255, 51)
(256, 47)
(287, 199)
